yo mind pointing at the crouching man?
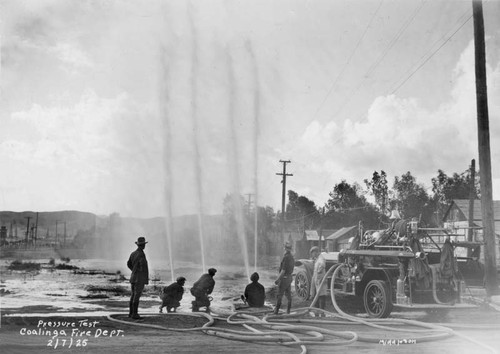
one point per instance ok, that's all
(172, 295)
(202, 288)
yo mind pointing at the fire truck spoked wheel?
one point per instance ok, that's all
(302, 286)
(377, 299)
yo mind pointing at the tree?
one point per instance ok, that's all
(458, 186)
(302, 211)
(347, 206)
(232, 203)
(345, 196)
(411, 197)
(378, 187)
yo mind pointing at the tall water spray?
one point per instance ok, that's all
(256, 114)
(196, 130)
(240, 229)
(167, 154)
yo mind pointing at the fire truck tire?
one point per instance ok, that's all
(377, 299)
(302, 285)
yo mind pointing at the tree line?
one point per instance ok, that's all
(370, 202)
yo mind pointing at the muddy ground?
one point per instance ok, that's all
(134, 336)
(80, 303)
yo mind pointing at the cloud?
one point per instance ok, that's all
(399, 134)
(71, 54)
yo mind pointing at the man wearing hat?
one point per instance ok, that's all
(202, 288)
(284, 280)
(138, 264)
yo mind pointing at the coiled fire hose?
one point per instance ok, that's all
(443, 329)
(282, 330)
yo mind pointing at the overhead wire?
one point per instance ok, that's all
(363, 116)
(432, 54)
(348, 60)
(381, 57)
(443, 37)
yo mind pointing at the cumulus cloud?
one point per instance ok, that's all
(399, 134)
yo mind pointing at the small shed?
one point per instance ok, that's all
(311, 235)
(309, 239)
(339, 239)
(457, 217)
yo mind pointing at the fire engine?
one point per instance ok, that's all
(401, 266)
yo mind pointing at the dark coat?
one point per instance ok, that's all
(287, 263)
(172, 294)
(205, 284)
(138, 264)
(447, 264)
(255, 294)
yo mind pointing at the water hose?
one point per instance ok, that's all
(294, 330)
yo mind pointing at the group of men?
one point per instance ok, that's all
(171, 295)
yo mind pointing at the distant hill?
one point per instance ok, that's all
(17, 222)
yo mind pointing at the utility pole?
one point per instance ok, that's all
(27, 230)
(283, 194)
(483, 132)
(321, 230)
(57, 238)
(35, 234)
(472, 196)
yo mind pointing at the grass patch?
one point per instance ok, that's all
(66, 266)
(26, 266)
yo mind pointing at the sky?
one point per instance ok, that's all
(132, 106)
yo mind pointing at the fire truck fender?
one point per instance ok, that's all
(374, 274)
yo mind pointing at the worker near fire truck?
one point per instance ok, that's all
(201, 289)
(317, 278)
(313, 253)
(255, 294)
(172, 295)
(447, 264)
(284, 280)
(138, 264)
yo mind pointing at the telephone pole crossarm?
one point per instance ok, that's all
(283, 194)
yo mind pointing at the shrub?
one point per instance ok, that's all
(28, 266)
(65, 266)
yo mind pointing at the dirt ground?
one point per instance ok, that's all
(98, 334)
(63, 301)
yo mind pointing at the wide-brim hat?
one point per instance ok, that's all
(140, 241)
(314, 249)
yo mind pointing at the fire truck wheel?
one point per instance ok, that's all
(377, 299)
(302, 285)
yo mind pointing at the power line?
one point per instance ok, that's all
(377, 62)
(363, 116)
(395, 39)
(348, 60)
(433, 53)
(459, 20)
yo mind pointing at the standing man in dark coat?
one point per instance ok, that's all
(255, 294)
(138, 264)
(284, 280)
(172, 295)
(202, 288)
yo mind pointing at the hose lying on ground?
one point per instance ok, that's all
(294, 330)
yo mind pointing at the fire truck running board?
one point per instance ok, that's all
(436, 306)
